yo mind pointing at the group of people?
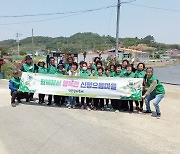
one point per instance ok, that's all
(153, 88)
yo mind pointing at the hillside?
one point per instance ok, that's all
(84, 42)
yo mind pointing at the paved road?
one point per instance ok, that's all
(41, 129)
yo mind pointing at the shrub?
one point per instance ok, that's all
(8, 68)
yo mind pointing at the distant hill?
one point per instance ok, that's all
(88, 41)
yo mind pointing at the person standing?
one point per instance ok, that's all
(117, 103)
(29, 66)
(69, 61)
(84, 72)
(124, 65)
(51, 70)
(155, 91)
(81, 65)
(60, 100)
(73, 72)
(110, 71)
(48, 58)
(43, 70)
(140, 73)
(99, 102)
(98, 65)
(119, 72)
(129, 74)
(93, 65)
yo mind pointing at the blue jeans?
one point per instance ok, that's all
(72, 100)
(157, 99)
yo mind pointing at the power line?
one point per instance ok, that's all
(27, 22)
(62, 13)
(74, 14)
(57, 13)
(128, 2)
(152, 7)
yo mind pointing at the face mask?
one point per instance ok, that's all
(84, 68)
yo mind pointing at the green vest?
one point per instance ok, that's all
(59, 72)
(85, 73)
(52, 69)
(123, 70)
(111, 74)
(16, 82)
(42, 70)
(28, 67)
(159, 88)
(93, 66)
(140, 74)
(67, 67)
(104, 75)
(127, 75)
(96, 72)
(118, 74)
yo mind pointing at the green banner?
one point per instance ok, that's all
(95, 87)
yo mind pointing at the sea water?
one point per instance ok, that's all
(168, 74)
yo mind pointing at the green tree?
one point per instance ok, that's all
(148, 39)
(22, 53)
(4, 50)
(157, 56)
(81, 42)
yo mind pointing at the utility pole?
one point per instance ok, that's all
(17, 40)
(117, 28)
(32, 39)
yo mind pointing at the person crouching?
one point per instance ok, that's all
(14, 84)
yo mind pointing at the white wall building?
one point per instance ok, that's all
(123, 53)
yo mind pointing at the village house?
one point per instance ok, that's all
(123, 53)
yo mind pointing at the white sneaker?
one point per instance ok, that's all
(88, 109)
(158, 116)
(117, 111)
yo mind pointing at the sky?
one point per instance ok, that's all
(135, 21)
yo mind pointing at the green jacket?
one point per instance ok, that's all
(118, 74)
(28, 68)
(59, 72)
(111, 74)
(104, 75)
(93, 66)
(140, 74)
(95, 72)
(123, 70)
(127, 75)
(42, 70)
(67, 67)
(52, 69)
(159, 88)
(85, 73)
